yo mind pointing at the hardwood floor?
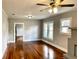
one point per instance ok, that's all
(32, 50)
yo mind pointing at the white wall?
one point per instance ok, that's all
(60, 39)
(31, 29)
(72, 42)
(4, 31)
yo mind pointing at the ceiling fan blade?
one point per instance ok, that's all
(41, 4)
(52, 3)
(61, 0)
(67, 5)
(45, 9)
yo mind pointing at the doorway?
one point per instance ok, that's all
(18, 32)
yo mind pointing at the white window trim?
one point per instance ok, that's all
(48, 30)
(68, 18)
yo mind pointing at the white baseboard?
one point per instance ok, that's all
(61, 48)
(24, 40)
(31, 40)
(10, 42)
(4, 51)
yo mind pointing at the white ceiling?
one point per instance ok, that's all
(21, 8)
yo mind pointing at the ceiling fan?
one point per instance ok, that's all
(54, 5)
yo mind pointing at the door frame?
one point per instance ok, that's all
(14, 29)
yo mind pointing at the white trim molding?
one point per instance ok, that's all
(31, 40)
(4, 51)
(55, 45)
(11, 42)
(14, 29)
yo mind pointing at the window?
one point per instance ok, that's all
(48, 30)
(45, 29)
(65, 24)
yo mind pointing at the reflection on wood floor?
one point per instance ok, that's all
(32, 50)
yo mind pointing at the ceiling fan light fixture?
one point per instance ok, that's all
(50, 10)
(55, 9)
(57, 2)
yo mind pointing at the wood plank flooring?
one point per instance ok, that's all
(32, 50)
